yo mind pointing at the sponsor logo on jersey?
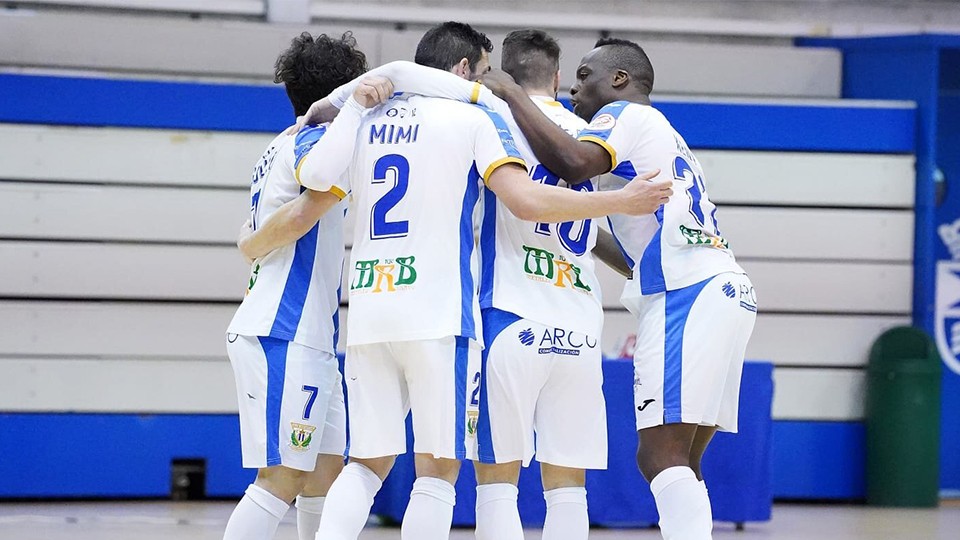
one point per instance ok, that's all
(301, 435)
(696, 237)
(254, 274)
(387, 275)
(560, 341)
(548, 267)
(643, 405)
(526, 337)
(603, 122)
(729, 290)
(748, 297)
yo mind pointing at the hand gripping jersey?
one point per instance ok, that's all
(294, 292)
(541, 271)
(415, 182)
(680, 244)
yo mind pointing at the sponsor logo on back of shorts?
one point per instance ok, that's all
(565, 342)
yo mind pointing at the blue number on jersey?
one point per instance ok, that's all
(576, 245)
(695, 192)
(400, 169)
(313, 391)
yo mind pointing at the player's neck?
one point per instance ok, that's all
(540, 92)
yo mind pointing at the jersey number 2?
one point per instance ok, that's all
(396, 169)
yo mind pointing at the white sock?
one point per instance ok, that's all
(256, 516)
(566, 514)
(348, 503)
(709, 504)
(497, 515)
(430, 512)
(309, 510)
(683, 505)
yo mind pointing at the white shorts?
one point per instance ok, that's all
(689, 355)
(291, 402)
(385, 381)
(544, 380)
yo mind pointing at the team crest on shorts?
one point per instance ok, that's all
(472, 419)
(301, 435)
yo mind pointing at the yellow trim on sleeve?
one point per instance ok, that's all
(339, 193)
(501, 162)
(475, 94)
(606, 146)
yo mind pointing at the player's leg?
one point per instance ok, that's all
(512, 374)
(672, 387)
(331, 447)
(268, 374)
(436, 372)
(378, 404)
(571, 427)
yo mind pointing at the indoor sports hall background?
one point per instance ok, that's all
(828, 131)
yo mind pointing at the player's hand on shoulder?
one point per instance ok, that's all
(643, 195)
(498, 81)
(373, 91)
(246, 231)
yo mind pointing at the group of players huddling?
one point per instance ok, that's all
(474, 301)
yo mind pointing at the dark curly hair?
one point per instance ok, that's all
(446, 44)
(312, 67)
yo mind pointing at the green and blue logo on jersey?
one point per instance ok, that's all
(388, 275)
(696, 237)
(546, 266)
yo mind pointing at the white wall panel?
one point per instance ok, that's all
(791, 233)
(135, 386)
(791, 340)
(818, 394)
(111, 329)
(832, 287)
(112, 271)
(786, 178)
(112, 155)
(152, 44)
(104, 212)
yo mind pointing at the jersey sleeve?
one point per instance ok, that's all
(411, 78)
(494, 145)
(324, 153)
(611, 128)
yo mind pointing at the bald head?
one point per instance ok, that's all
(621, 54)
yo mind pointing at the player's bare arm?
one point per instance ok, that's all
(531, 201)
(609, 252)
(287, 225)
(573, 160)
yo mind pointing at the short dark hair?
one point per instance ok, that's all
(630, 57)
(446, 44)
(531, 57)
(312, 67)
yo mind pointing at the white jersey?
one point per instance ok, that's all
(294, 292)
(680, 244)
(541, 271)
(416, 179)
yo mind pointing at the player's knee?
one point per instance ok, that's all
(501, 473)
(444, 469)
(555, 477)
(652, 460)
(282, 482)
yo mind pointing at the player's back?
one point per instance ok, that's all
(541, 271)
(415, 180)
(293, 292)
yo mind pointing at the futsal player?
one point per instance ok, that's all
(282, 340)
(695, 305)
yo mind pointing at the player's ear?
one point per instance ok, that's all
(556, 83)
(620, 79)
(462, 69)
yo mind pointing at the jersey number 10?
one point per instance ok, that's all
(566, 230)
